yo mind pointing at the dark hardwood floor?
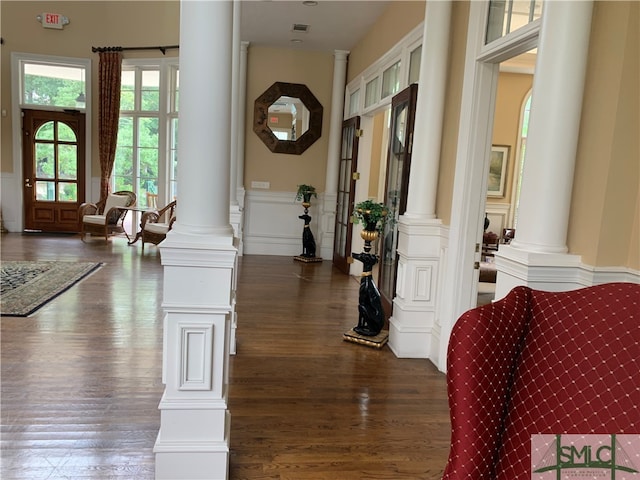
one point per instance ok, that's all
(81, 377)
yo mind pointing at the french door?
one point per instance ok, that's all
(403, 110)
(53, 166)
(346, 191)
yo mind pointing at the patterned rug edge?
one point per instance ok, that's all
(86, 269)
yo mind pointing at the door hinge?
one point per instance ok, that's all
(359, 133)
(476, 265)
(410, 142)
(355, 176)
(477, 247)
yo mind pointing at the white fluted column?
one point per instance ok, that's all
(556, 108)
(412, 328)
(333, 155)
(199, 257)
(335, 122)
(203, 139)
(427, 138)
(552, 141)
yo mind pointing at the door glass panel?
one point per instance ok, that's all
(65, 133)
(45, 132)
(45, 160)
(392, 201)
(67, 162)
(45, 191)
(67, 192)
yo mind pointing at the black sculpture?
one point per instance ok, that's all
(308, 242)
(371, 315)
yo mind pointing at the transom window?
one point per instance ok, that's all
(52, 84)
(506, 16)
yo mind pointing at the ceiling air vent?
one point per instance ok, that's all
(300, 27)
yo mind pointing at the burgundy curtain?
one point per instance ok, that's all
(109, 74)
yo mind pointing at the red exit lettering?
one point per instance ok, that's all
(52, 18)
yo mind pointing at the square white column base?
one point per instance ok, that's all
(212, 464)
(193, 459)
(410, 332)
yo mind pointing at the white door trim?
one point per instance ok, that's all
(459, 289)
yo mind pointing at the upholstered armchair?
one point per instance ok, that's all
(541, 362)
(156, 224)
(105, 217)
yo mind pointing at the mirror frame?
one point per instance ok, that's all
(261, 115)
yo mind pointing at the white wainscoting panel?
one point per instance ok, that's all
(272, 226)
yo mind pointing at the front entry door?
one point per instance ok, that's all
(403, 110)
(53, 166)
(346, 191)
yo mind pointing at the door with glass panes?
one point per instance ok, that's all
(403, 108)
(346, 190)
(53, 166)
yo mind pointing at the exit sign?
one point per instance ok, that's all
(53, 20)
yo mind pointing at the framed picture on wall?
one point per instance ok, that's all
(497, 170)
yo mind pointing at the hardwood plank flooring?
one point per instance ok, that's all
(81, 377)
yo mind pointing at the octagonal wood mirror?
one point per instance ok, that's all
(288, 118)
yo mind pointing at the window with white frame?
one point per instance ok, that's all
(394, 71)
(146, 153)
(52, 84)
(506, 16)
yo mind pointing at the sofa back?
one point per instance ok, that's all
(541, 362)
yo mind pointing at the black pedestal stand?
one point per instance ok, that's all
(308, 242)
(371, 314)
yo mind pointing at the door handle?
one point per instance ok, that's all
(27, 183)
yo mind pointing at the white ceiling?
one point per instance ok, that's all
(333, 25)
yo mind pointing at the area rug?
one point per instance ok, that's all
(27, 286)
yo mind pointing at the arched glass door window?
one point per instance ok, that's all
(524, 129)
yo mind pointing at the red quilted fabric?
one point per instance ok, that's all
(541, 362)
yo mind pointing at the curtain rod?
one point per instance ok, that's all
(162, 48)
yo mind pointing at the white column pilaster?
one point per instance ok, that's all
(199, 257)
(552, 141)
(242, 108)
(235, 111)
(413, 331)
(328, 213)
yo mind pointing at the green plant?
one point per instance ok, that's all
(371, 214)
(306, 190)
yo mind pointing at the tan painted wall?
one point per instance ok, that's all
(603, 226)
(127, 24)
(265, 66)
(396, 22)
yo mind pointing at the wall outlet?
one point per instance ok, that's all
(260, 185)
